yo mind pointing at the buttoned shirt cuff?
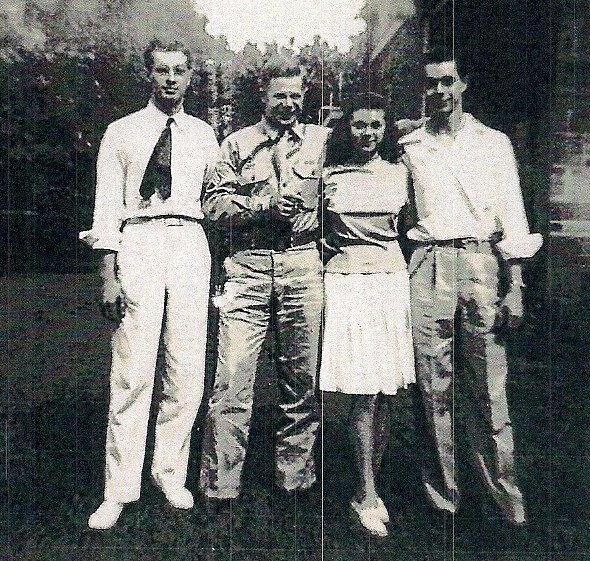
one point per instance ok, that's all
(520, 247)
(237, 205)
(96, 241)
(434, 227)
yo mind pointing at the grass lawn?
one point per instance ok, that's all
(54, 359)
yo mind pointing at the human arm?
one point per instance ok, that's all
(106, 224)
(407, 218)
(517, 241)
(329, 241)
(229, 195)
(109, 202)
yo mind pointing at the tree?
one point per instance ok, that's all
(69, 67)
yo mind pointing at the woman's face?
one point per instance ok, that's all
(367, 127)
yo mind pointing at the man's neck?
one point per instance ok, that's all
(278, 128)
(168, 108)
(449, 126)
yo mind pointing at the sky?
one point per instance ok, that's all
(262, 21)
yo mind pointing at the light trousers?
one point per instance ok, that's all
(253, 279)
(454, 301)
(164, 271)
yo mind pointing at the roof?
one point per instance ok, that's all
(386, 17)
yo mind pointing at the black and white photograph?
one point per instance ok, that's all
(294, 281)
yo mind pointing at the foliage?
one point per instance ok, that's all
(68, 68)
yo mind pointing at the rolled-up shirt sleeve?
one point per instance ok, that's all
(223, 199)
(109, 200)
(517, 241)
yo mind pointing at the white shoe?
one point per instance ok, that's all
(178, 496)
(382, 511)
(370, 518)
(105, 516)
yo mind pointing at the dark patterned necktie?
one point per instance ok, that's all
(158, 173)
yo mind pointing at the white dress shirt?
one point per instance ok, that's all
(467, 186)
(125, 151)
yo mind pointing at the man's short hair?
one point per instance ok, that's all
(271, 72)
(440, 55)
(157, 45)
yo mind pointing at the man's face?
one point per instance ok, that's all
(283, 100)
(444, 89)
(367, 127)
(170, 76)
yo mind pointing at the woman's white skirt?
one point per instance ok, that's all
(367, 345)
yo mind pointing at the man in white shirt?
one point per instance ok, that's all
(151, 168)
(471, 232)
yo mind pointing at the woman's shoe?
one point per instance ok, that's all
(383, 514)
(369, 517)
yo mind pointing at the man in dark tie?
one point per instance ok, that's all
(266, 197)
(151, 168)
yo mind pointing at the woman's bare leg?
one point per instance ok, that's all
(362, 424)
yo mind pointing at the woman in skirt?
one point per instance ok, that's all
(367, 347)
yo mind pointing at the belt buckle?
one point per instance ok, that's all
(469, 243)
(173, 221)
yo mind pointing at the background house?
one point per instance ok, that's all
(528, 69)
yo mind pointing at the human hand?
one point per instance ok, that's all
(305, 222)
(113, 303)
(408, 125)
(510, 309)
(287, 206)
(329, 190)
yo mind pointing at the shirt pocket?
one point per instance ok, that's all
(307, 175)
(306, 169)
(418, 257)
(254, 171)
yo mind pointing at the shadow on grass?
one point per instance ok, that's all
(55, 412)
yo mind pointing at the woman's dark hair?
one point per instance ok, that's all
(365, 100)
(339, 149)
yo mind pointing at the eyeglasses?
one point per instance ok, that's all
(361, 125)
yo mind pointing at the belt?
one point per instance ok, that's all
(269, 239)
(285, 243)
(166, 220)
(471, 244)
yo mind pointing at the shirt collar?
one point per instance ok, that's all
(422, 136)
(271, 132)
(465, 129)
(159, 117)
